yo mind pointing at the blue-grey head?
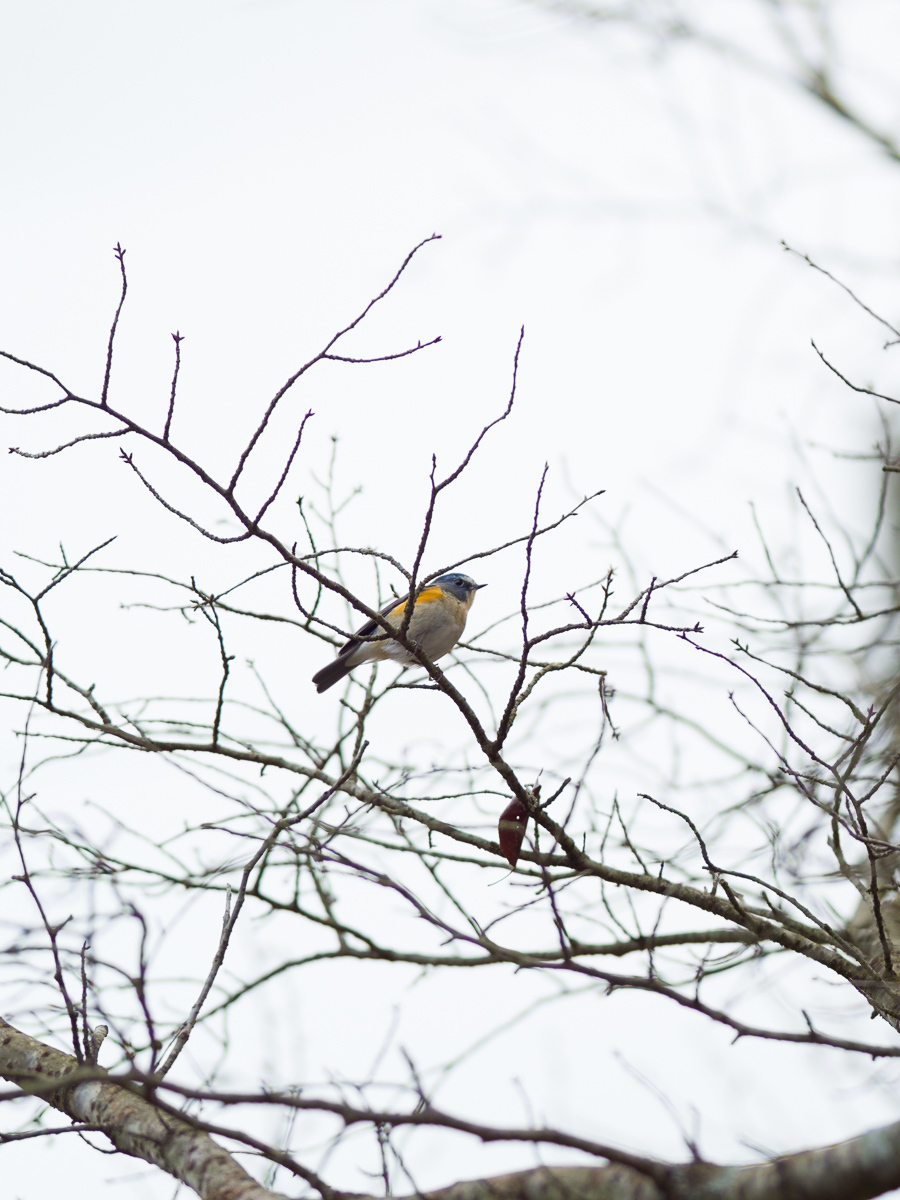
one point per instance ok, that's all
(463, 587)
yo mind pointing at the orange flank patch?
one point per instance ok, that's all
(426, 597)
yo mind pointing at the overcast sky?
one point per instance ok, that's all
(269, 165)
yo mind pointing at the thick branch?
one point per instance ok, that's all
(864, 1167)
(133, 1125)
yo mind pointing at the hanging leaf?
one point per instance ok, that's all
(511, 830)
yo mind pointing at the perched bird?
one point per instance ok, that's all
(438, 619)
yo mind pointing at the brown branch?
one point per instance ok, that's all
(843, 378)
(84, 437)
(178, 339)
(834, 279)
(231, 915)
(279, 395)
(120, 258)
(134, 1125)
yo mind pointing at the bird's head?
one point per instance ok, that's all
(463, 587)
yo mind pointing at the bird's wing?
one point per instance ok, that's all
(371, 627)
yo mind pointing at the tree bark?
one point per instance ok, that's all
(133, 1125)
(858, 1169)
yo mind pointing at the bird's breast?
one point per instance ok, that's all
(436, 625)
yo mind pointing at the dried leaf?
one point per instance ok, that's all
(511, 830)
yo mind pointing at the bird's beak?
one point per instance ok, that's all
(479, 586)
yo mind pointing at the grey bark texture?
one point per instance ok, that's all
(133, 1125)
(857, 1169)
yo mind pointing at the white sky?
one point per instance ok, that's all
(267, 166)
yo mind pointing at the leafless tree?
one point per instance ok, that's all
(799, 45)
(781, 847)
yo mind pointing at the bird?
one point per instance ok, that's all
(438, 620)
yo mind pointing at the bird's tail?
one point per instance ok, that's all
(330, 674)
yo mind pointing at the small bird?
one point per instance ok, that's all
(438, 619)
